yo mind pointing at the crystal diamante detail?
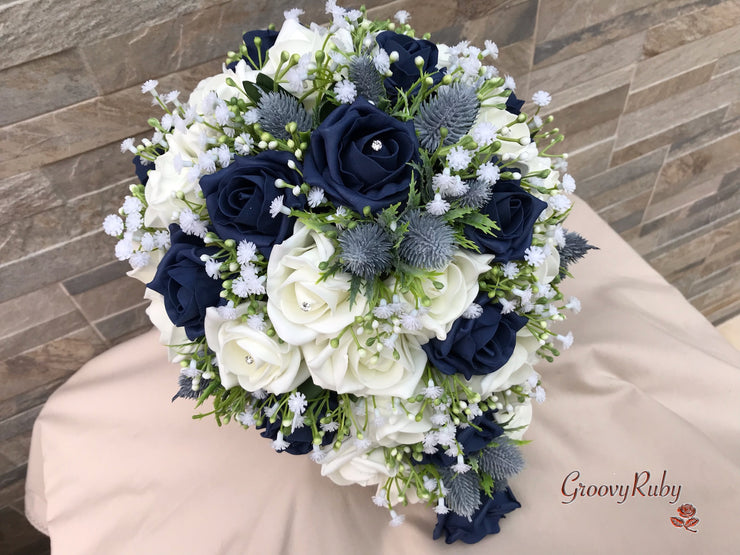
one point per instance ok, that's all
(376, 145)
(249, 359)
(305, 306)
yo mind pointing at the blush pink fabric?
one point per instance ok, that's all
(648, 387)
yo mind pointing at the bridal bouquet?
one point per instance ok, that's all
(352, 242)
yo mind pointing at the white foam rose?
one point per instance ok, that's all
(165, 181)
(293, 38)
(350, 465)
(520, 418)
(460, 288)
(501, 118)
(550, 268)
(516, 370)
(301, 307)
(348, 369)
(169, 334)
(250, 358)
(145, 274)
(395, 427)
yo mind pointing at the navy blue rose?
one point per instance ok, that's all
(476, 346)
(239, 196)
(472, 439)
(405, 73)
(515, 211)
(360, 156)
(182, 280)
(256, 55)
(485, 520)
(514, 105)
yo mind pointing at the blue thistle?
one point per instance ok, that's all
(276, 110)
(501, 461)
(186, 388)
(428, 243)
(576, 247)
(454, 107)
(366, 250)
(463, 493)
(366, 78)
(477, 196)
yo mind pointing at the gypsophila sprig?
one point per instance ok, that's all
(345, 236)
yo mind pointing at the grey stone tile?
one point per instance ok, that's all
(29, 399)
(90, 171)
(12, 486)
(25, 312)
(124, 325)
(516, 24)
(515, 60)
(585, 67)
(110, 298)
(664, 89)
(96, 277)
(15, 449)
(685, 58)
(44, 230)
(727, 63)
(47, 364)
(436, 15)
(587, 162)
(622, 182)
(678, 109)
(718, 291)
(18, 537)
(689, 27)
(684, 131)
(475, 9)
(44, 85)
(25, 194)
(626, 214)
(84, 126)
(38, 335)
(27, 36)
(18, 424)
(50, 266)
(568, 28)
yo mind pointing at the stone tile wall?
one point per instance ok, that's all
(648, 92)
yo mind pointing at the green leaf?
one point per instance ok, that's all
(252, 91)
(481, 221)
(266, 83)
(486, 483)
(354, 289)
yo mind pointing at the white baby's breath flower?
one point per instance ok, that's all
(458, 158)
(277, 206)
(509, 83)
(539, 394)
(566, 340)
(541, 98)
(438, 205)
(227, 311)
(223, 155)
(128, 145)
(449, 185)
(149, 86)
(243, 144)
(473, 311)
(382, 62)
(316, 196)
(535, 255)
(569, 184)
(402, 16)
(560, 203)
(213, 268)
(257, 321)
(297, 402)
(246, 252)
(489, 173)
(507, 306)
(124, 249)
(293, 14)
(490, 49)
(134, 221)
(346, 91)
(207, 162)
(574, 305)
(113, 225)
(139, 260)
(511, 270)
(484, 133)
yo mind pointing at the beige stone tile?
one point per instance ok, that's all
(436, 15)
(29, 398)
(15, 449)
(17, 425)
(685, 58)
(38, 335)
(600, 85)
(504, 25)
(515, 60)
(622, 182)
(23, 195)
(727, 63)
(699, 165)
(590, 161)
(59, 263)
(723, 312)
(12, 485)
(662, 205)
(48, 363)
(678, 109)
(110, 298)
(44, 85)
(718, 291)
(585, 67)
(681, 132)
(664, 89)
(85, 214)
(82, 127)
(691, 26)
